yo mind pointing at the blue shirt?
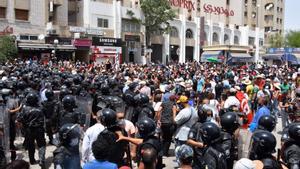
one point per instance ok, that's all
(95, 164)
(261, 111)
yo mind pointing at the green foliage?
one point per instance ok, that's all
(157, 15)
(8, 49)
(293, 39)
(276, 41)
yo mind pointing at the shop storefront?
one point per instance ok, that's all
(82, 52)
(104, 49)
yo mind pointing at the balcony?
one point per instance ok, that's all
(58, 2)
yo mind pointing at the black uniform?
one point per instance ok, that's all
(195, 134)
(51, 112)
(32, 119)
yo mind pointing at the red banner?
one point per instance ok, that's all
(208, 8)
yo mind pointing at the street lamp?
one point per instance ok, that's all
(55, 43)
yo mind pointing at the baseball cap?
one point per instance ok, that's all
(244, 163)
(182, 99)
(185, 152)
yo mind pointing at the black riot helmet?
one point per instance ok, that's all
(63, 92)
(108, 117)
(294, 131)
(32, 99)
(229, 122)
(267, 122)
(202, 114)
(21, 85)
(116, 103)
(69, 134)
(146, 127)
(69, 102)
(141, 99)
(77, 80)
(49, 94)
(104, 89)
(210, 133)
(263, 144)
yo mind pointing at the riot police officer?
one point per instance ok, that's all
(230, 125)
(144, 108)
(50, 108)
(213, 157)
(32, 120)
(262, 147)
(68, 114)
(195, 139)
(108, 119)
(129, 100)
(67, 156)
(290, 151)
(266, 122)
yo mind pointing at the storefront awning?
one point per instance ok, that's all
(239, 57)
(206, 55)
(272, 56)
(40, 46)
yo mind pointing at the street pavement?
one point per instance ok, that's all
(168, 161)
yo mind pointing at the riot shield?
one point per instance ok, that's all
(84, 107)
(4, 127)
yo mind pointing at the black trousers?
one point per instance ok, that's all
(34, 135)
(49, 127)
(167, 134)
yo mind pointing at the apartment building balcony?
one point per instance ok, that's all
(268, 23)
(57, 2)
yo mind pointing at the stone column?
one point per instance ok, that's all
(182, 37)
(197, 39)
(166, 49)
(10, 11)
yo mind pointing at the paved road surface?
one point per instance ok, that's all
(169, 161)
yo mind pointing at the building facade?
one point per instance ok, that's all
(267, 15)
(66, 28)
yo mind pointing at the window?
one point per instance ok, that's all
(215, 37)
(251, 41)
(102, 23)
(267, 29)
(24, 37)
(174, 32)
(236, 40)
(33, 37)
(2, 12)
(226, 39)
(21, 14)
(189, 34)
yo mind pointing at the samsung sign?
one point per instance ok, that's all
(97, 41)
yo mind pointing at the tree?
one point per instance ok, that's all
(157, 15)
(8, 49)
(293, 39)
(276, 41)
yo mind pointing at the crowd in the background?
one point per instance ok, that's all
(108, 117)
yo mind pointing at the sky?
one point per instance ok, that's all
(292, 14)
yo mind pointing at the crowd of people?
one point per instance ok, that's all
(106, 117)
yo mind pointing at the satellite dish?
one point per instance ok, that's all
(41, 37)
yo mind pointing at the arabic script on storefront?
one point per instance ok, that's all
(208, 8)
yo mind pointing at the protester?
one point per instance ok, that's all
(181, 96)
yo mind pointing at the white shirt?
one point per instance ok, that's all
(185, 119)
(231, 101)
(90, 136)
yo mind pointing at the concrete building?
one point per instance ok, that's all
(215, 27)
(265, 14)
(80, 29)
